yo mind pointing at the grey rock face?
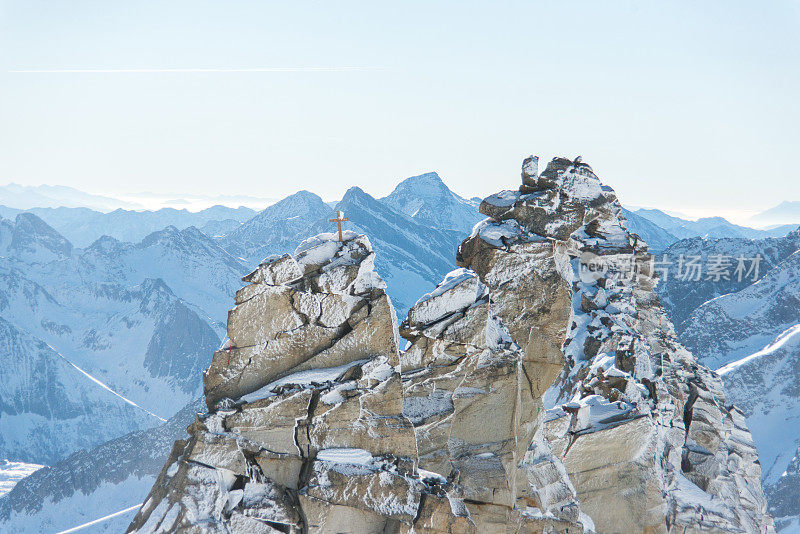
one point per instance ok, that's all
(309, 436)
(475, 400)
(748, 332)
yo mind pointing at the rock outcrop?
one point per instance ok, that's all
(311, 428)
(644, 431)
(542, 390)
(474, 397)
(305, 431)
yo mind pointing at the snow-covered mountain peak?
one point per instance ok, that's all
(428, 184)
(105, 245)
(299, 203)
(426, 199)
(33, 240)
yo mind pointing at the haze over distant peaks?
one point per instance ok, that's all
(55, 196)
(787, 212)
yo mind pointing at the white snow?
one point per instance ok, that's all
(503, 199)
(114, 504)
(779, 342)
(302, 378)
(459, 289)
(104, 386)
(321, 248)
(423, 474)
(13, 472)
(494, 232)
(345, 456)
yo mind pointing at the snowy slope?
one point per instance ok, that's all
(766, 386)
(655, 236)
(91, 484)
(784, 498)
(48, 407)
(681, 295)
(141, 319)
(750, 332)
(738, 324)
(427, 200)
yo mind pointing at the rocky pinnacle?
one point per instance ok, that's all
(541, 390)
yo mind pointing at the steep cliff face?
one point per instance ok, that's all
(542, 390)
(311, 428)
(644, 431)
(474, 396)
(305, 430)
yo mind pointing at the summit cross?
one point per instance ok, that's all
(340, 218)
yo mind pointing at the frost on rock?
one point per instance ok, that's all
(644, 432)
(474, 398)
(305, 431)
(542, 391)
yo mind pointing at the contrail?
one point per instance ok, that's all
(148, 71)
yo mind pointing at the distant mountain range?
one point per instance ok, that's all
(787, 212)
(108, 318)
(55, 196)
(83, 226)
(660, 230)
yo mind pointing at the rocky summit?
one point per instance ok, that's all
(541, 390)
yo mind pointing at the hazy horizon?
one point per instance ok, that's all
(194, 202)
(681, 105)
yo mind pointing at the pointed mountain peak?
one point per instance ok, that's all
(426, 199)
(155, 294)
(105, 244)
(353, 193)
(300, 203)
(428, 184)
(34, 240)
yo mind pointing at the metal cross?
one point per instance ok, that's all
(340, 218)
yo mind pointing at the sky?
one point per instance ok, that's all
(686, 106)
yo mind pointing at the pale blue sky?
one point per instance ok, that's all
(681, 105)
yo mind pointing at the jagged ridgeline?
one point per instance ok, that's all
(541, 390)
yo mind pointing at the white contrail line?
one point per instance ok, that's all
(156, 71)
(102, 385)
(96, 521)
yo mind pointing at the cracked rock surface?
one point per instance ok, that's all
(542, 390)
(645, 433)
(305, 431)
